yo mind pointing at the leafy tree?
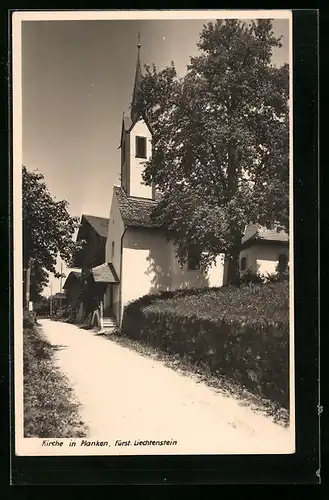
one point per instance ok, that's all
(47, 231)
(39, 280)
(41, 305)
(220, 141)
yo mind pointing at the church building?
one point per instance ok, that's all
(136, 249)
(139, 259)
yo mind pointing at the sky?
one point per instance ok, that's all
(77, 80)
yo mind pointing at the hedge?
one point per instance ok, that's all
(242, 333)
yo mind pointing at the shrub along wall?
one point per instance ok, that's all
(242, 333)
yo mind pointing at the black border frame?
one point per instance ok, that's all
(299, 468)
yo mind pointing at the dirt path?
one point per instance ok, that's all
(126, 396)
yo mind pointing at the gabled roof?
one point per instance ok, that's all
(135, 212)
(259, 233)
(105, 273)
(125, 128)
(73, 276)
(99, 224)
(128, 124)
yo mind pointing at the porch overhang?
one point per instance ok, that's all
(105, 273)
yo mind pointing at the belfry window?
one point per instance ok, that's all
(140, 147)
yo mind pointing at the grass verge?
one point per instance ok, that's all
(50, 410)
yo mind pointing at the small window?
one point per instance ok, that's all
(112, 249)
(140, 147)
(283, 262)
(194, 260)
(243, 264)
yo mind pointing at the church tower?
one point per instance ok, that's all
(136, 144)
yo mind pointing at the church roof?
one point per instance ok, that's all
(99, 224)
(127, 122)
(259, 233)
(137, 85)
(135, 212)
(105, 273)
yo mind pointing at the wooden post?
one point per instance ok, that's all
(51, 300)
(27, 285)
(101, 312)
(60, 288)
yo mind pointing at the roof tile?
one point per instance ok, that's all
(135, 212)
(105, 273)
(256, 232)
(100, 224)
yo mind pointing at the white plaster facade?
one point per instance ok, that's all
(137, 188)
(133, 166)
(150, 265)
(113, 254)
(146, 263)
(263, 258)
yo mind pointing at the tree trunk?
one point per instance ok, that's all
(233, 269)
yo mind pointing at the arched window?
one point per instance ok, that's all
(243, 263)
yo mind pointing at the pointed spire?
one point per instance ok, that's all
(138, 81)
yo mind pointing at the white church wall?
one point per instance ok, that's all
(114, 235)
(184, 278)
(150, 265)
(137, 188)
(145, 264)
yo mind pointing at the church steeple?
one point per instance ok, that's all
(137, 84)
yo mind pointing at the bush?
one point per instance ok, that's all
(277, 277)
(249, 276)
(29, 319)
(242, 333)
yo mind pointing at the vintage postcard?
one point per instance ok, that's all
(153, 236)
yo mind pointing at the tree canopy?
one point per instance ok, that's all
(220, 140)
(47, 230)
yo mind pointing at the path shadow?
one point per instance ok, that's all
(58, 347)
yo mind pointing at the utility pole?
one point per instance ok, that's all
(51, 300)
(27, 284)
(60, 288)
